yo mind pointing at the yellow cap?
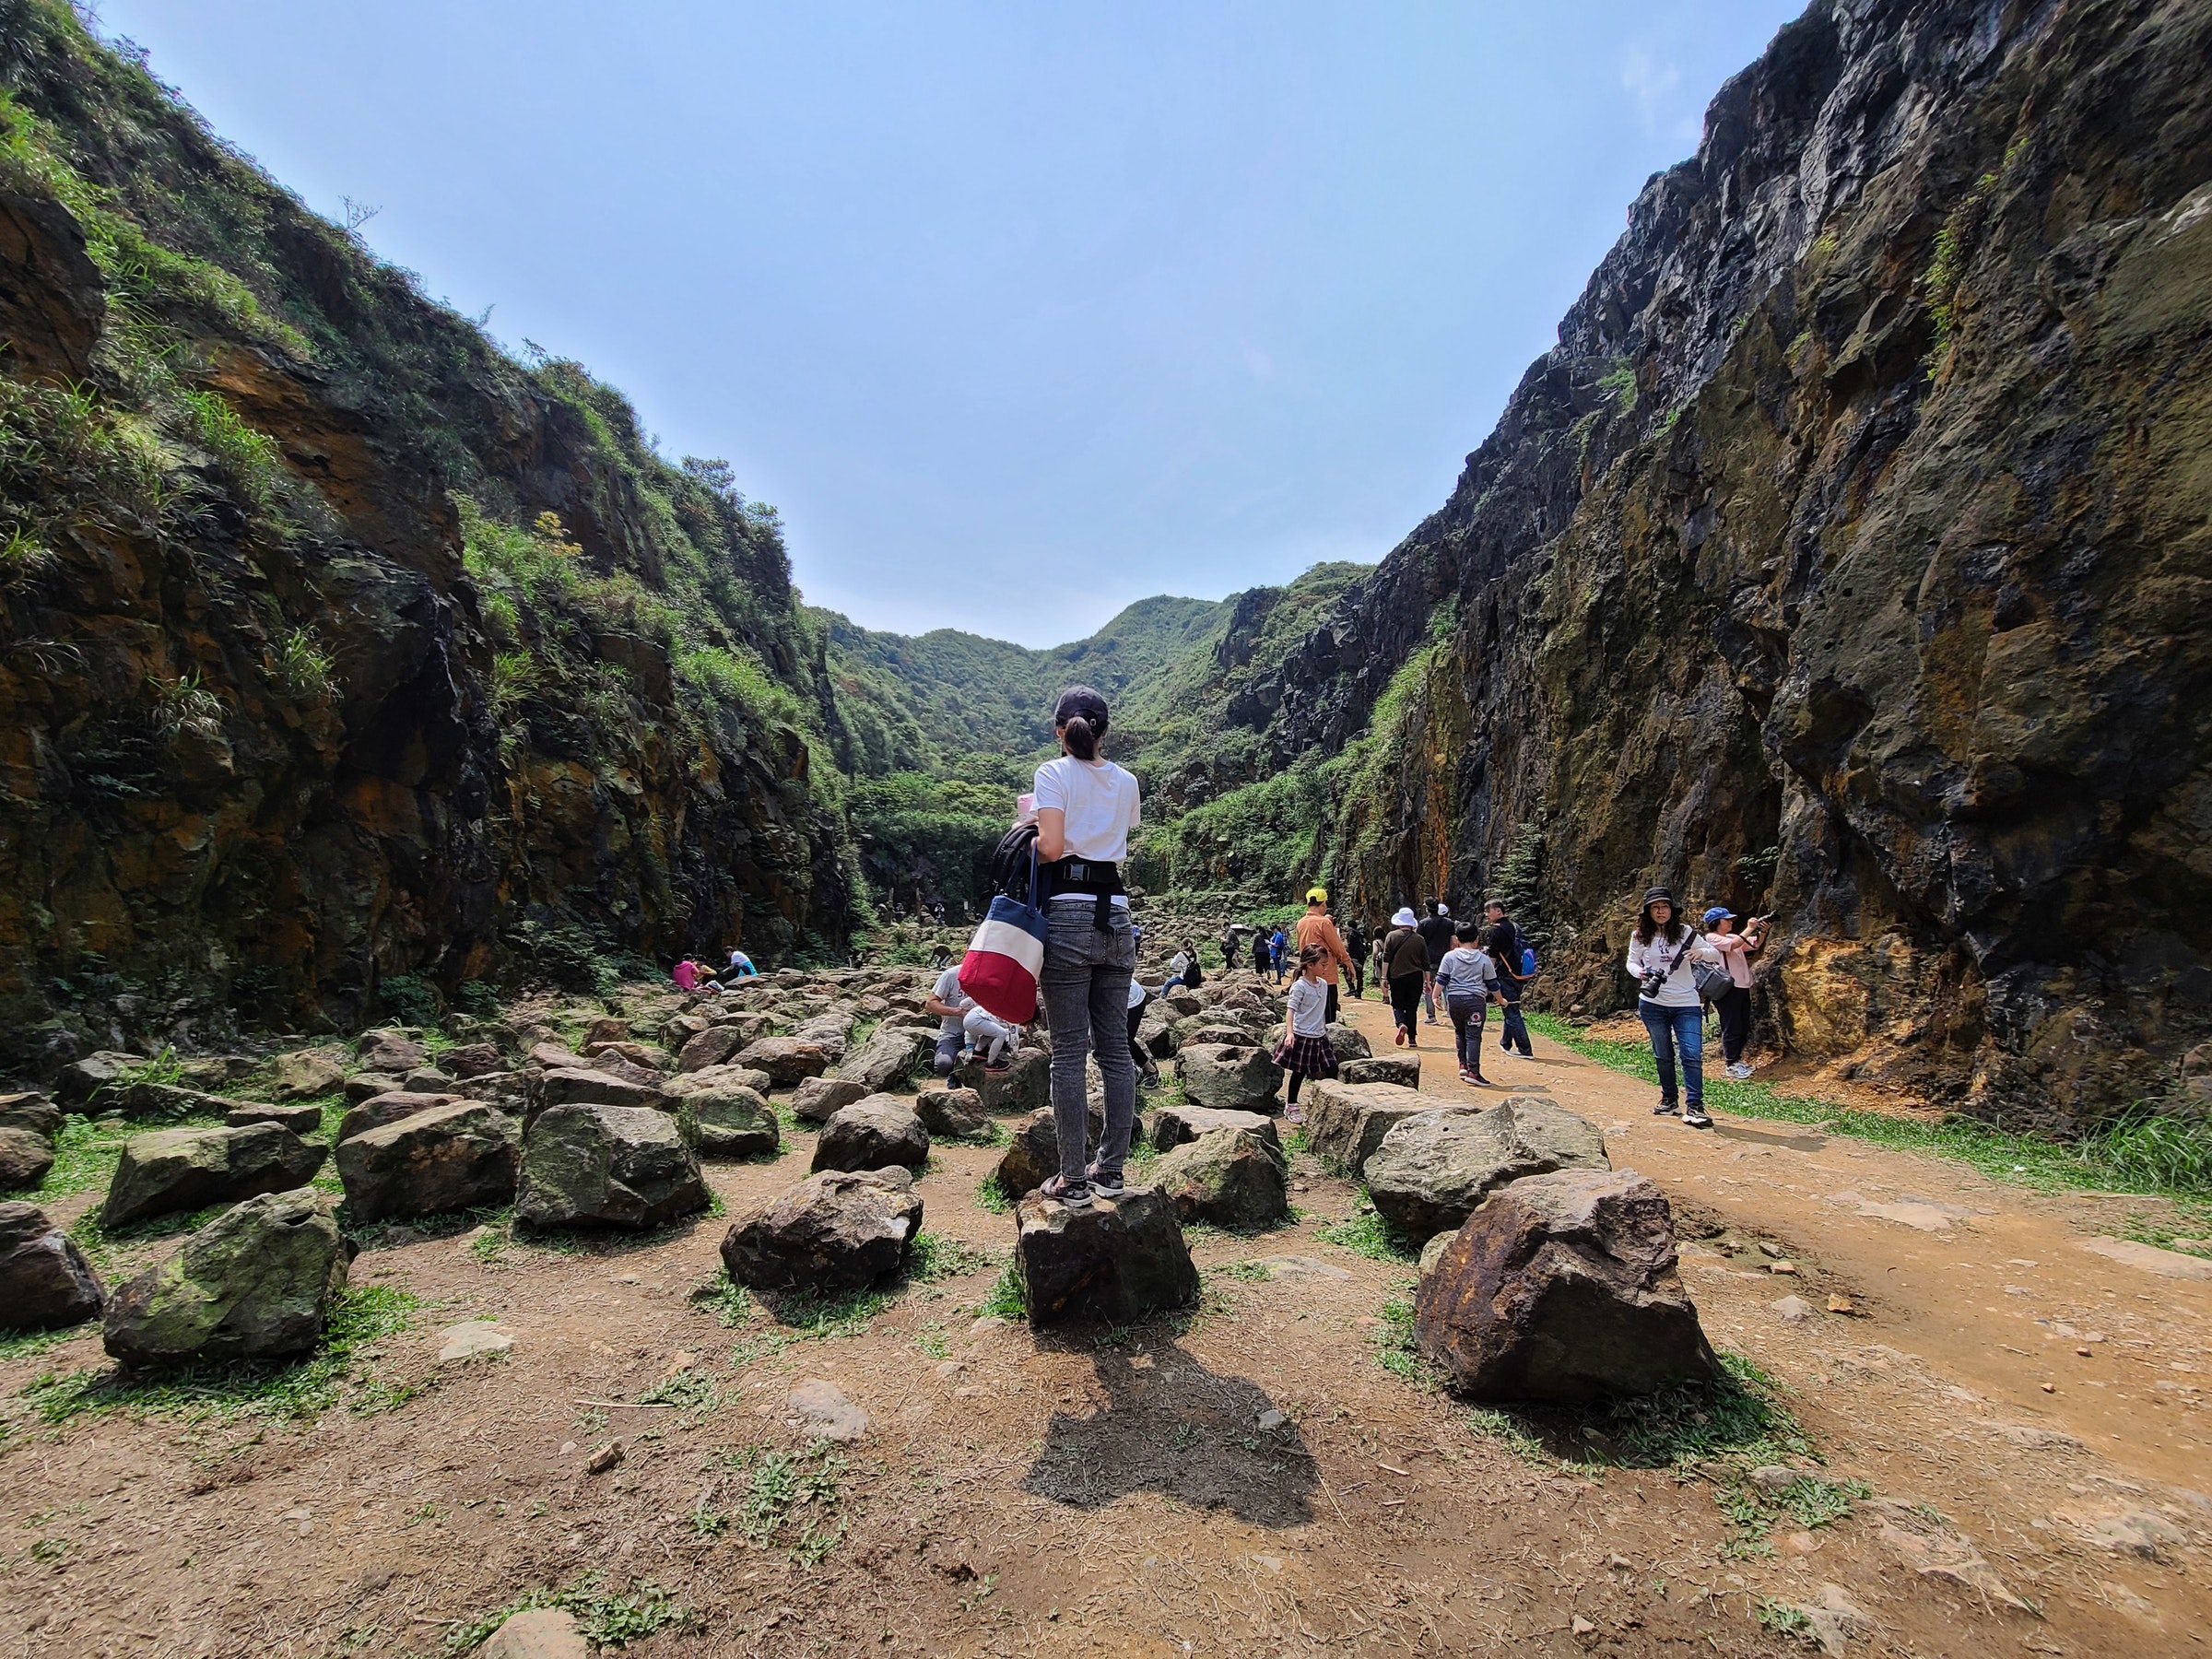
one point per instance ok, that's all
(1317, 895)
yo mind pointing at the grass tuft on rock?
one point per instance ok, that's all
(604, 1617)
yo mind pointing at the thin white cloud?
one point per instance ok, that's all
(1652, 85)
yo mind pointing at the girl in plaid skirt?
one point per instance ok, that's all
(1305, 1051)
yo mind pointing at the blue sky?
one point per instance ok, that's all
(1017, 312)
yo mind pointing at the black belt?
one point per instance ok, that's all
(1088, 875)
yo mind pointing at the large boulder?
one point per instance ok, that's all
(1562, 1288)
(552, 1056)
(1433, 1169)
(1348, 1043)
(786, 1060)
(1118, 1260)
(451, 1157)
(1172, 1125)
(395, 1050)
(378, 1110)
(872, 1133)
(588, 1165)
(650, 1060)
(33, 1113)
(300, 1120)
(1227, 1177)
(712, 1046)
(886, 1060)
(840, 1231)
(367, 1086)
(1227, 1076)
(1345, 1121)
(24, 1157)
(474, 1060)
(1397, 1071)
(255, 1283)
(728, 1119)
(45, 1282)
(681, 1030)
(818, 1099)
(953, 1113)
(596, 1086)
(831, 1032)
(751, 1027)
(305, 1073)
(1025, 1084)
(174, 1170)
(1033, 1158)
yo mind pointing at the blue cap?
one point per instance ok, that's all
(1716, 913)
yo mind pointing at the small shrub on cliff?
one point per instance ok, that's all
(183, 707)
(408, 998)
(249, 457)
(302, 666)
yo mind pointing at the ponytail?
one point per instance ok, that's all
(1080, 743)
(1080, 716)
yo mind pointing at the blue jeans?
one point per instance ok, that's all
(1086, 987)
(1673, 1028)
(1515, 1035)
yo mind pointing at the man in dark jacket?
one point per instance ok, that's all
(1436, 934)
(1505, 944)
(1354, 941)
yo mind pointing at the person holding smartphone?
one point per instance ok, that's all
(1735, 1007)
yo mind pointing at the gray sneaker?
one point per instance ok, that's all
(1102, 1184)
(1076, 1195)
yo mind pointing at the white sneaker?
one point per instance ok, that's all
(1740, 1070)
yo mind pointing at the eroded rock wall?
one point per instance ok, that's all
(1847, 559)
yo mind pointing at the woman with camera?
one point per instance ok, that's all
(1662, 954)
(1734, 1006)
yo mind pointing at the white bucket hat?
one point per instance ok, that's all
(1404, 918)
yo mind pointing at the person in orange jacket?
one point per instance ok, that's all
(1315, 929)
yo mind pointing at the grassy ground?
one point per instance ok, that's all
(2146, 1153)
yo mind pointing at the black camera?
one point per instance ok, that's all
(1651, 983)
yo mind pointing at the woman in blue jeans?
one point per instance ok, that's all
(1086, 809)
(1660, 953)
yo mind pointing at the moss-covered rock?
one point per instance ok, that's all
(606, 1166)
(169, 1171)
(254, 1283)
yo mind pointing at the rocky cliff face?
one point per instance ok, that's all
(334, 645)
(1847, 559)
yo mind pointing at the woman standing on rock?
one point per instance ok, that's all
(1660, 953)
(1086, 809)
(1406, 970)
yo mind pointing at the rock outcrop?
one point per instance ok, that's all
(1562, 1288)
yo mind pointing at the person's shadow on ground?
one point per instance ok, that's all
(1173, 1427)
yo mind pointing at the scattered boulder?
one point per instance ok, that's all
(680, 1031)
(1562, 1288)
(174, 1170)
(1156, 1031)
(551, 1056)
(1228, 1177)
(728, 1119)
(828, 1032)
(427, 1080)
(32, 1112)
(255, 1283)
(872, 1133)
(24, 1157)
(818, 1099)
(367, 1086)
(1117, 1261)
(751, 1076)
(607, 1028)
(592, 1165)
(786, 1060)
(1399, 1071)
(452, 1157)
(96, 1076)
(954, 1114)
(305, 1073)
(1345, 1121)
(474, 1060)
(390, 1051)
(649, 1059)
(299, 1120)
(712, 1046)
(885, 1061)
(1172, 1125)
(45, 1282)
(594, 1086)
(1025, 1085)
(1227, 1076)
(1433, 1169)
(1034, 1158)
(751, 1027)
(1348, 1043)
(380, 1109)
(1184, 1003)
(842, 1230)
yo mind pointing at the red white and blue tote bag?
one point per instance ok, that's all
(1006, 957)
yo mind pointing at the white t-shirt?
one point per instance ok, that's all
(1138, 993)
(947, 991)
(1099, 801)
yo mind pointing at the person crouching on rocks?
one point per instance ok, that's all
(1305, 1051)
(1406, 971)
(1468, 978)
(1660, 953)
(990, 1039)
(1086, 809)
(950, 1004)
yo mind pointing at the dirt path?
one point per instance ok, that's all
(1131, 1492)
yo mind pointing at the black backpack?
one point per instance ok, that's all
(1010, 862)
